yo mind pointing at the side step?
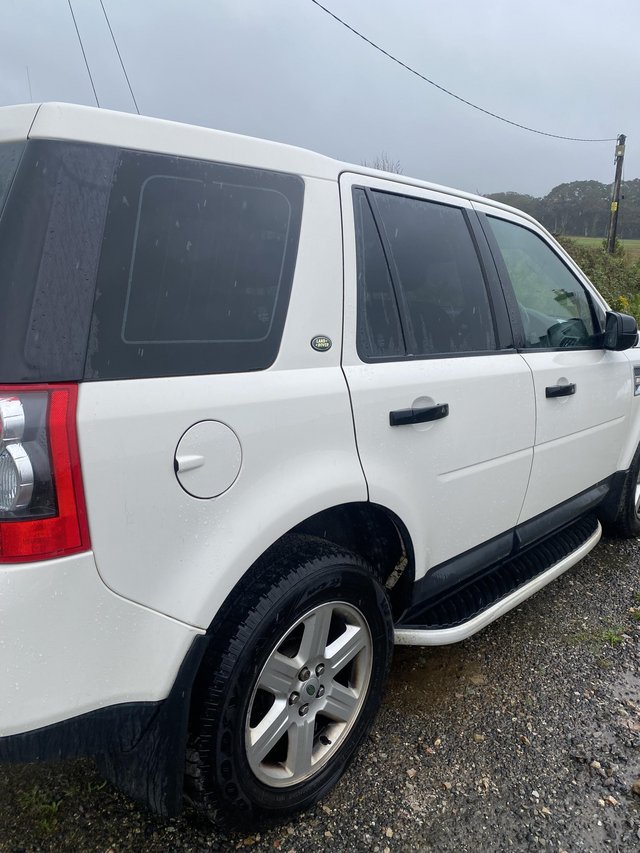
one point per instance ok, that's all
(458, 614)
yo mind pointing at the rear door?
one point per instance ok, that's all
(583, 392)
(443, 406)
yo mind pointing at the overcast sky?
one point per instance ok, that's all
(284, 70)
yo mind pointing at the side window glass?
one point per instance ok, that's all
(196, 268)
(556, 310)
(439, 276)
(379, 334)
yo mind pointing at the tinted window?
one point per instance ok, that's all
(9, 157)
(50, 236)
(555, 309)
(196, 268)
(440, 281)
(379, 332)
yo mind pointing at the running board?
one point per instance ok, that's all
(432, 635)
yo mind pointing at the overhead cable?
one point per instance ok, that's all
(75, 24)
(447, 91)
(115, 44)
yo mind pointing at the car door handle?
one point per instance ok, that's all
(418, 416)
(560, 390)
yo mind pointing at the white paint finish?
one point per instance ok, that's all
(208, 459)
(578, 437)
(447, 636)
(161, 547)
(107, 127)
(16, 121)
(631, 439)
(458, 481)
(69, 645)
(315, 307)
(156, 544)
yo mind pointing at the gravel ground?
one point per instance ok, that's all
(526, 737)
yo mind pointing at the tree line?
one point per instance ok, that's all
(581, 208)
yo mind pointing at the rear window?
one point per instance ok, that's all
(124, 264)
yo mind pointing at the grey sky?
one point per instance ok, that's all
(284, 70)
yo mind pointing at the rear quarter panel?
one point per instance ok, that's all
(153, 542)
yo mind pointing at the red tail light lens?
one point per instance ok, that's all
(42, 508)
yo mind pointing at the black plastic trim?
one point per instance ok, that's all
(140, 746)
(471, 597)
(447, 577)
(560, 390)
(547, 522)
(118, 726)
(401, 417)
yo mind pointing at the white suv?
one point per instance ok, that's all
(263, 413)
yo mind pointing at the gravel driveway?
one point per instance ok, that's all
(526, 737)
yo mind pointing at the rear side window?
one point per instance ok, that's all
(10, 153)
(439, 275)
(426, 256)
(50, 235)
(117, 264)
(379, 330)
(196, 268)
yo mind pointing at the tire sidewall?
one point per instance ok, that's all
(239, 790)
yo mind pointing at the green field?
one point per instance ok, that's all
(631, 247)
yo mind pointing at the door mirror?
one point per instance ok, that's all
(621, 331)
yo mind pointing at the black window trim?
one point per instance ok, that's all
(359, 315)
(513, 307)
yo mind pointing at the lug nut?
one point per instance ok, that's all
(304, 674)
(294, 698)
(321, 691)
(303, 710)
(320, 669)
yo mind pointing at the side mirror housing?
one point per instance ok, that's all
(621, 331)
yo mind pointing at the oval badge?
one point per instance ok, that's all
(321, 343)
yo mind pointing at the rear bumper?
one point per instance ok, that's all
(69, 647)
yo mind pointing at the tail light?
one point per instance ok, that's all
(42, 508)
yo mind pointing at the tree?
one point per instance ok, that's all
(384, 163)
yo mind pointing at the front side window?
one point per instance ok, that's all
(555, 309)
(441, 287)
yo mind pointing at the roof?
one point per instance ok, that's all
(127, 130)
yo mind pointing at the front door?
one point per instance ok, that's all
(583, 392)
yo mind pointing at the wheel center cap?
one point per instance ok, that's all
(311, 687)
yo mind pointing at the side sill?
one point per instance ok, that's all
(445, 636)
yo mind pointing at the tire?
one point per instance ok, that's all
(626, 522)
(290, 685)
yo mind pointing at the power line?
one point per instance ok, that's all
(115, 44)
(95, 95)
(447, 91)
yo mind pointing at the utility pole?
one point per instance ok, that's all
(615, 198)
